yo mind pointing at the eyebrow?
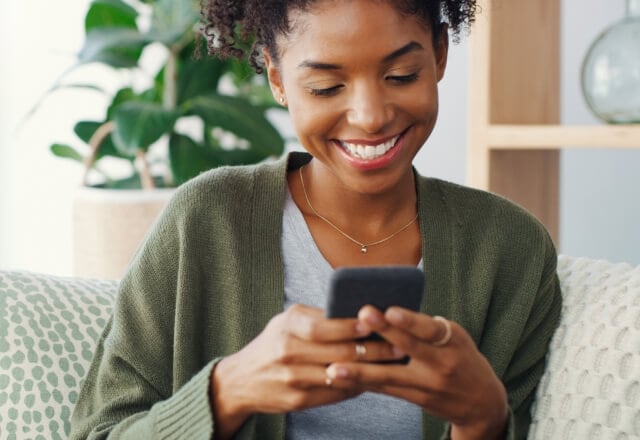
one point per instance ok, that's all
(409, 47)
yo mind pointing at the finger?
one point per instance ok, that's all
(434, 402)
(397, 323)
(372, 319)
(304, 387)
(305, 377)
(435, 330)
(371, 375)
(422, 326)
(301, 351)
(323, 396)
(398, 337)
(309, 324)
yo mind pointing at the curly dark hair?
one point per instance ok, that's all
(229, 24)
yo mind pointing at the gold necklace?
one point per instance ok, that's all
(363, 246)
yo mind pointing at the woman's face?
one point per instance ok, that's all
(360, 81)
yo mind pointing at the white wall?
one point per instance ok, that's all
(599, 189)
(39, 42)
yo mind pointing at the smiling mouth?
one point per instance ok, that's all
(369, 152)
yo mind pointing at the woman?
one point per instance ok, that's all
(218, 329)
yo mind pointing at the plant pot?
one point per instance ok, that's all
(108, 227)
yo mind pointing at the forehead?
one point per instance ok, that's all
(350, 27)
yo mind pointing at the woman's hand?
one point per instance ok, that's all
(453, 381)
(284, 368)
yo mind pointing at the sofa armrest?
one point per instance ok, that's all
(591, 386)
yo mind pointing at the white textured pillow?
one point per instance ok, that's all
(49, 327)
(591, 387)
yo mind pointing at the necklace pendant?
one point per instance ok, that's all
(363, 249)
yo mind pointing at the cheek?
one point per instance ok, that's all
(424, 105)
(312, 118)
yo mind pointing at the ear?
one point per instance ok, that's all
(442, 50)
(275, 78)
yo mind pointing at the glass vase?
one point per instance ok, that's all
(611, 70)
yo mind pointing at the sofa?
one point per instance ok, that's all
(49, 327)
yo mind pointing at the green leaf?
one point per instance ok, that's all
(116, 47)
(171, 19)
(187, 159)
(139, 124)
(110, 13)
(198, 76)
(238, 116)
(66, 152)
(241, 71)
(238, 156)
(85, 129)
(123, 95)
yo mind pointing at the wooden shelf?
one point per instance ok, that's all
(515, 133)
(566, 136)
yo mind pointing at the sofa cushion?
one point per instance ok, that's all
(49, 328)
(591, 386)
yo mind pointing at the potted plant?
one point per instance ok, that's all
(196, 113)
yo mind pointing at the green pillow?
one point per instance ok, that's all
(49, 328)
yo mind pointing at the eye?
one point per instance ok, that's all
(329, 91)
(403, 79)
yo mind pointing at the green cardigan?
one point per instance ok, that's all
(209, 277)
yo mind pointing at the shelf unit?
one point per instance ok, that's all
(514, 107)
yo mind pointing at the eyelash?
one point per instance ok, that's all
(325, 92)
(404, 79)
(330, 91)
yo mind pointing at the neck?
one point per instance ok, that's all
(367, 212)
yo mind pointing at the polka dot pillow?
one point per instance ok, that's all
(591, 386)
(49, 327)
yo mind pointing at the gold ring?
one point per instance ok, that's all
(361, 350)
(447, 332)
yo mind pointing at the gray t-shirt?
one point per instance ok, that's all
(368, 416)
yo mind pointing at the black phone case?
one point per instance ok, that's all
(380, 286)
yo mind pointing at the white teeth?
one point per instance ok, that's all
(369, 151)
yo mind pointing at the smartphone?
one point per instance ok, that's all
(380, 286)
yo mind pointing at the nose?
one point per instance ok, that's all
(369, 109)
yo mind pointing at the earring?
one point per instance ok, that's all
(282, 100)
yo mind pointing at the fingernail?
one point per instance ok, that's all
(374, 319)
(335, 372)
(395, 316)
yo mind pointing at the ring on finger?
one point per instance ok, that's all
(361, 350)
(447, 332)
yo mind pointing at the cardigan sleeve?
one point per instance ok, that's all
(541, 307)
(130, 390)
(527, 366)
